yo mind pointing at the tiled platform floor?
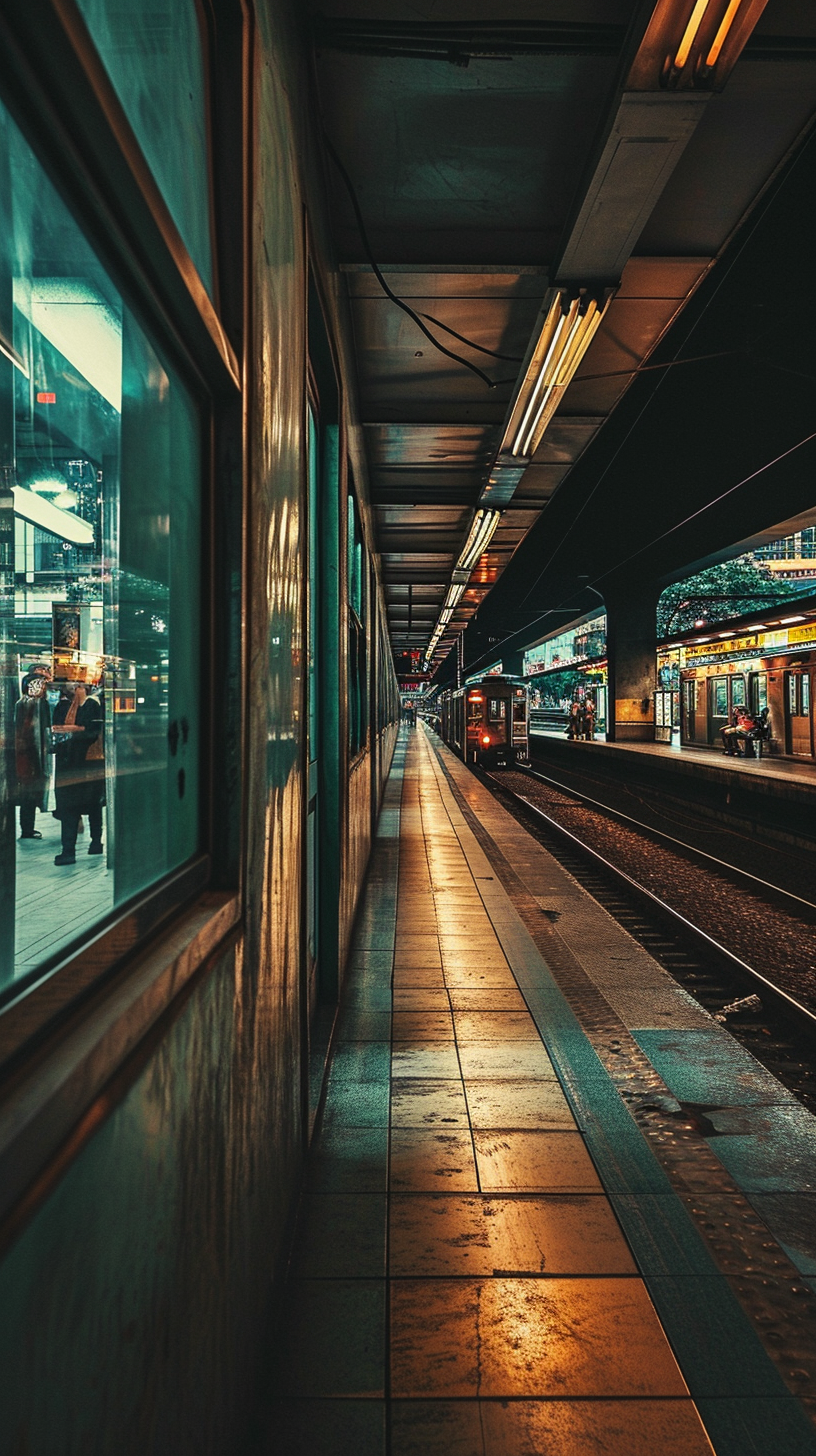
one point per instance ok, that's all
(460, 1282)
(56, 903)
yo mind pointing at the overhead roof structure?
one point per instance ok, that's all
(497, 169)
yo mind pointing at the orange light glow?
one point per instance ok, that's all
(690, 33)
(722, 34)
(486, 740)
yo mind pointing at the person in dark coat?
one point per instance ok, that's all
(79, 775)
(32, 719)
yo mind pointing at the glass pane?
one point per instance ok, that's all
(99, 585)
(312, 686)
(737, 691)
(153, 56)
(805, 694)
(792, 693)
(720, 708)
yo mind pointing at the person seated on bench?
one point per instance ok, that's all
(744, 724)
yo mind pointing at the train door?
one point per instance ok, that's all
(688, 718)
(757, 691)
(797, 713)
(718, 710)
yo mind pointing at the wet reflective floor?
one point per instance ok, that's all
(460, 1281)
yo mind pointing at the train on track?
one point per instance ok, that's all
(486, 721)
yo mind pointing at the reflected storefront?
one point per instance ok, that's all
(564, 666)
(99, 584)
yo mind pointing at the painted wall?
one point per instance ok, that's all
(132, 1305)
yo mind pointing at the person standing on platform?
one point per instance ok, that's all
(589, 719)
(32, 720)
(575, 721)
(79, 769)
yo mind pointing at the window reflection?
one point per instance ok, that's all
(99, 564)
(152, 54)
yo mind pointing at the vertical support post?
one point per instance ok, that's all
(631, 647)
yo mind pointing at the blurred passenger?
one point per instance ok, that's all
(575, 720)
(589, 719)
(32, 720)
(79, 765)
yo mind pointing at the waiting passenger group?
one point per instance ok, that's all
(581, 721)
(73, 737)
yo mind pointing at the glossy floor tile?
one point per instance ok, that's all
(459, 1282)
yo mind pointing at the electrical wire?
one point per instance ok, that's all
(400, 303)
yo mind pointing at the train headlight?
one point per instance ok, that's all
(486, 740)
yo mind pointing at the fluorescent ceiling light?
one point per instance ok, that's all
(722, 34)
(479, 537)
(568, 331)
(40, 512)
(690, 33)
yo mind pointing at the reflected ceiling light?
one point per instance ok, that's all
(10, 353)
(570, 326)
(47, 484)
(80, 323)
(67, 500)
(40, 512)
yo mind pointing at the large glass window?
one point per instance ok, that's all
(99, 585)
(152, 54)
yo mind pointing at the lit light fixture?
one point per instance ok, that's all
(690, 33)
(786, 621)
(478, 539)
(721, 36)
(570, 326)
(712, 40)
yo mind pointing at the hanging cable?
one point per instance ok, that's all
(400, 303)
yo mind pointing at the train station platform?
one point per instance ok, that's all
(551, 1205)
(770, 798)
(790, 770)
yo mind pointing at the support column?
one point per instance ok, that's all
(631, 646)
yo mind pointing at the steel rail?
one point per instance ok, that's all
(793, 902)
(803, 1017)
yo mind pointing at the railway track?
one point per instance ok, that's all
(777, 1025)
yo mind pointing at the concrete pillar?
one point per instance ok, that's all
(631, 644)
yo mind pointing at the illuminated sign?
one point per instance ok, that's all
(732, 649)
(44, 396)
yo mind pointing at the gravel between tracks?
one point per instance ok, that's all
(772, 941)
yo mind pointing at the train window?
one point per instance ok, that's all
(805, 694)
(475, 706)
(759, 691)
(99, 586)
(153, 56)
(496, 709)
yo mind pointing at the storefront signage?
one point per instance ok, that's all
(732, 649)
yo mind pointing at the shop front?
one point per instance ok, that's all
(767, 671)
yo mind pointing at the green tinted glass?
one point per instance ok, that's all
(99, 585)
(152, 54)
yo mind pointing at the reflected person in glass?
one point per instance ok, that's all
(79, 768)
(32, 720)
